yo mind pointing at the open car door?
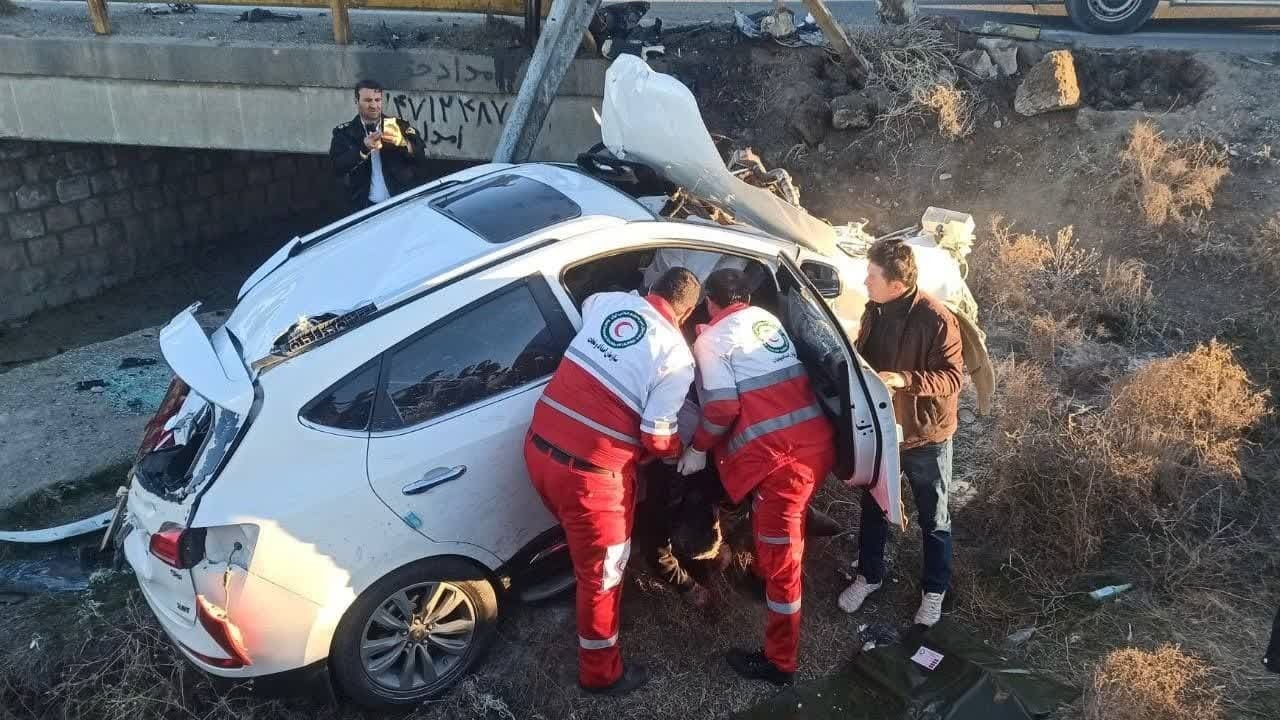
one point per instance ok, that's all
(866, 432)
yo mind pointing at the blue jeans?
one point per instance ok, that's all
(928, 471)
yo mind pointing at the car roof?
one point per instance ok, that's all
(387, 253)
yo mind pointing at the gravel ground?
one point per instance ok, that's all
(219, 24)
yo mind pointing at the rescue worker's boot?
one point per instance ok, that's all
(633, 678)
(755, 666)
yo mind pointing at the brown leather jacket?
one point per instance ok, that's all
(917, 335)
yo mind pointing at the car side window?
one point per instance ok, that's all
(348, 404)
(501, 343)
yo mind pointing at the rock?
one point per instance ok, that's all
(810, 120)
(1050, 85)
(1029, 54)
(966, 416)
(979, 63)
(836, 88)
(852, 112)
(882, 98)
(1006, 61)
(997, 124)
(990, 44)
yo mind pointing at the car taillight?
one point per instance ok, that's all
(178, 547)
(155, 436)
(214, 620)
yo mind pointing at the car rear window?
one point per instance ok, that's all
(507, 207)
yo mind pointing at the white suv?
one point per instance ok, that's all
(334, 483)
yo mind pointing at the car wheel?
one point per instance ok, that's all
(414, 633)
(1110, 17)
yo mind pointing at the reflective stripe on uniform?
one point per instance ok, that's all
(658, 427)
(622, 437)
(717, 395)
(790, 608)
(768, 540)
(777, 376)
(713, 429)
(615, 564)
(588, 644)
(603, 375)
(775, 424)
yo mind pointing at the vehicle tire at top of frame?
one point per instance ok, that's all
(1110, 17)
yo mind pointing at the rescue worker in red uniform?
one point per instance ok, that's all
(770, 438)
(611, 404)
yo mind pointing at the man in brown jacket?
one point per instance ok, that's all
(914, 343)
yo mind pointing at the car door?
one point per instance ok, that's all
(867, 434)
(454, 403)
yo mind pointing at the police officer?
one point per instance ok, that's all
(375, 157)
(614, 400)
(772, 440)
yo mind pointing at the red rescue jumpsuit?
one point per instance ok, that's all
(615, 397)
(770, 435)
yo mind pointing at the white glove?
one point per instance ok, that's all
(692, 461)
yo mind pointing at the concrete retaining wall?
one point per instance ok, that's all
(78, 218)
(204, 94)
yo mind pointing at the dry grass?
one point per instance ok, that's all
(1164, 684)
(1047, 335)
(1170, 180)
(953, 108)
(1264, 250)
(1126, 298)
(1179, 420)
(1155, 463)
(1023, 275)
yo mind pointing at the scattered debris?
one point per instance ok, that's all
(127, 363)
(1019, 637)
(1110, 591)
(258, 15)
(944, 177)
(1050, 85)
(94, 384)
(766, 23)
(749, 168)
(876, 635)
(1017, 32)
(853, 111)
(43, 576)
(620, 29)
(59, 533)
(169, 9)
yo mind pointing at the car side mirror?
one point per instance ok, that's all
(825, 278)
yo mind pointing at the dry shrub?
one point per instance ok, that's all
(1137, 468)
(1023, 275)
(1180, 419)
(1126, 298)
(954, 108)
(1167, 684)
(1170, 180)
(914, 67)
(1048, 334)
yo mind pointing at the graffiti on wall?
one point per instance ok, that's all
(452, 122)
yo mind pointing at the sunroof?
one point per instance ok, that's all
(507, 207)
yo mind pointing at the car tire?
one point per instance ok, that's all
(443, 608)
(1110, 17)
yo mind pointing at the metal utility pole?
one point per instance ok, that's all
(561, 36)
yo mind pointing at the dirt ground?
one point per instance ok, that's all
(1040, 174)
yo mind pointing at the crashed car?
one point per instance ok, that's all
(334, 486)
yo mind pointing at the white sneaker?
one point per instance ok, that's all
(930, 611)
(856, 594)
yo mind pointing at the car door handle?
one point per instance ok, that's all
(434, 477)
